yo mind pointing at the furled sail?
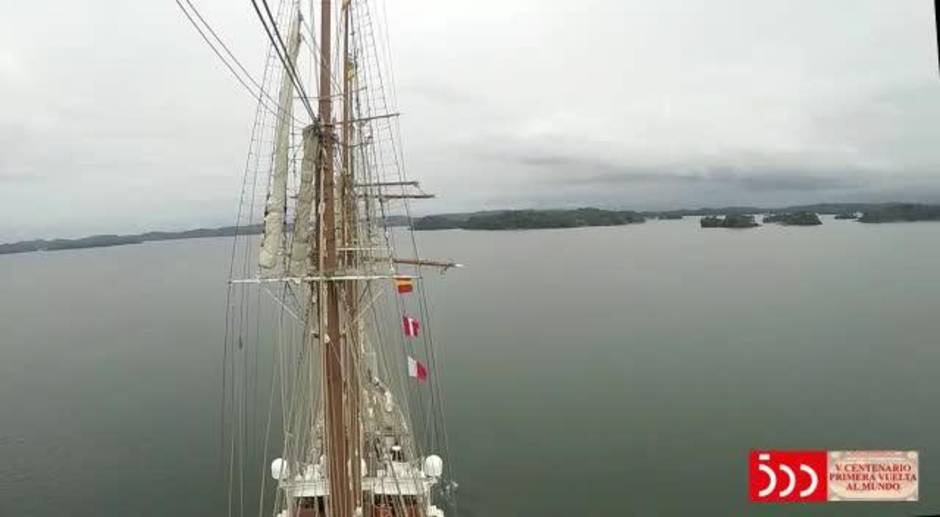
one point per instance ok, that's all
(271, 258)
(298, 250)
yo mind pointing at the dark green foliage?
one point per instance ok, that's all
(533, 219)
(528, 219)
(711, 221)
(794, 219)
(900, 212)
(436, 222)
(729, 221)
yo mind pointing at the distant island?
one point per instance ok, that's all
(900, 213)
(794, 219)
(726, 217)
(729, 221)
(529, 219)
(100, 241)
(741, 216)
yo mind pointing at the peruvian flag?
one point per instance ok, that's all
(410, 326)
(417, 369)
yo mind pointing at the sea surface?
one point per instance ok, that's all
(591, 372)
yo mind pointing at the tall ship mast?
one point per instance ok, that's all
(329, 296)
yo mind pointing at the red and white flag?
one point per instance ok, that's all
(410, 326)
(417, 369)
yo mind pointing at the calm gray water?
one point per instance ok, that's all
(600, 371)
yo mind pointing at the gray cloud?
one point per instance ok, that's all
(787, 181)
(588, 171)
(115, 117)
(19, 177)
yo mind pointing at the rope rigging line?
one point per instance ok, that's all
(237, 318)
(315, 52)
(258, 92)
(295, 398)
(397, 168)
(378, 168)
(281, 49)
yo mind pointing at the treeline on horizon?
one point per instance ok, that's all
(99, 241)
(519, 220)
(534, 219)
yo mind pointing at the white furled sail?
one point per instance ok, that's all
(271, 258)
(302, 221)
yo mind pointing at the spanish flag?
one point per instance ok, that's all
(404, 285)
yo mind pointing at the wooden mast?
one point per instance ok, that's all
(340, 498)
(349, 228)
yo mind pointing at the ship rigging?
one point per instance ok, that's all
(353, 424)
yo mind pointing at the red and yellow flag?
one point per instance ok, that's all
(404, 285)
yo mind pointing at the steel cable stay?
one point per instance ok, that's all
(281, 50)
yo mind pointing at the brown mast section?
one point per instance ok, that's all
(340, 500)
(350, 261)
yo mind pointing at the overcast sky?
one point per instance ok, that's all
(115, 117)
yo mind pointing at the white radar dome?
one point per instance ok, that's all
(433, 466)
(279, 469)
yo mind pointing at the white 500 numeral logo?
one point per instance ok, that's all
(785, 491)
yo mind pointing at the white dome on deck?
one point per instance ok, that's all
(433, 466)
(279, 469)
